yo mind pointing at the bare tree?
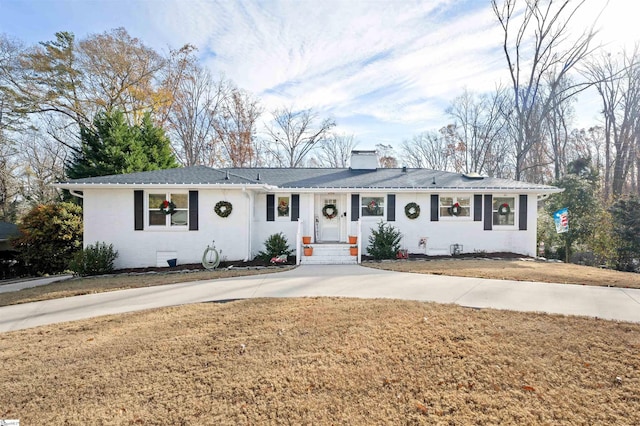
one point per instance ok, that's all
(428, 150)
(235, 126)
(478, 131)
(617, 79)
(557, 128)
(197, 101)
(9, 183)
(386, 156)
(43, 161)
(539, 56)
(294, 134)
(335, 151)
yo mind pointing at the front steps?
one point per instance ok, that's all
(329, 254)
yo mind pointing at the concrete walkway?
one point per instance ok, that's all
(340, 281)
(29, 283)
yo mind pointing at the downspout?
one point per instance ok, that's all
(249, 221)
(76, 194)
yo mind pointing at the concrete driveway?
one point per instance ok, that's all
(340, 281)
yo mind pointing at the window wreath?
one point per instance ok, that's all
(223, 208)
(372, 207)
(504, 209)
(412, 210)
(455, 209)
(167, 207)
(283, 208)
(330, 211)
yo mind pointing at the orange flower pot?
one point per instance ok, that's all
(306, 240)
(308, 251)
(353, 239)
(353, 251)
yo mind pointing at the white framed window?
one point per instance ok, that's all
(504, 211)
(283, 206)
(455, 206)
(168, 209)
(372, 206)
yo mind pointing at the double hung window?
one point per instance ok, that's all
(504, 211)
(372, 206)
(168, 209)
(455, 206)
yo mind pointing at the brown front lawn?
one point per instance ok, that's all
(80, 286)
(323, 361)
(515, 269)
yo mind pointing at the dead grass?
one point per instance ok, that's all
(519, 270)
(80, 286)
(323, 361)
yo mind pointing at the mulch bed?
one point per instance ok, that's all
(255, 263)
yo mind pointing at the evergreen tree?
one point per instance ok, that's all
(627, 232)
(115, 147)
(580, 197)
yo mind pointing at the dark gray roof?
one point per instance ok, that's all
(8, 230)
(314, 178)
(183, 175)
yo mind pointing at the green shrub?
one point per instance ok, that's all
(50, 234)
(384, 242)
(275, 245)
(94, 260)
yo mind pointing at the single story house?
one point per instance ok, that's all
(151, 217)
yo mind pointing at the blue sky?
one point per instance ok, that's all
(384, 70)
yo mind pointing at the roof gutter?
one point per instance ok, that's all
(73, 186)
(250, 198)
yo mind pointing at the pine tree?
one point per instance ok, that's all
(115, 147)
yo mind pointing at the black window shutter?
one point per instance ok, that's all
(477, 207)
(488, 212)
(193, 210)
(355, 207)
(435, 201)
(138, 210)
(295, 207)
(271, 207)
(522, 221)
(391, 207)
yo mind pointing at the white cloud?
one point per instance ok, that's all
(381, 68)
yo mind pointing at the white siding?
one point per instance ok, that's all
(109, 218)
(447, 231)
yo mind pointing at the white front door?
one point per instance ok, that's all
(329, 214)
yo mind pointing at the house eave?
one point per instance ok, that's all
(427, 189)
(81, 186)
(76, 186)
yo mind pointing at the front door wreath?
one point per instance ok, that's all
(330, 211)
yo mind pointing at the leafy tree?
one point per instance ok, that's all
(384, 242)
(626, 217)
(50, 235)
(580, 198)
(115, 147)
